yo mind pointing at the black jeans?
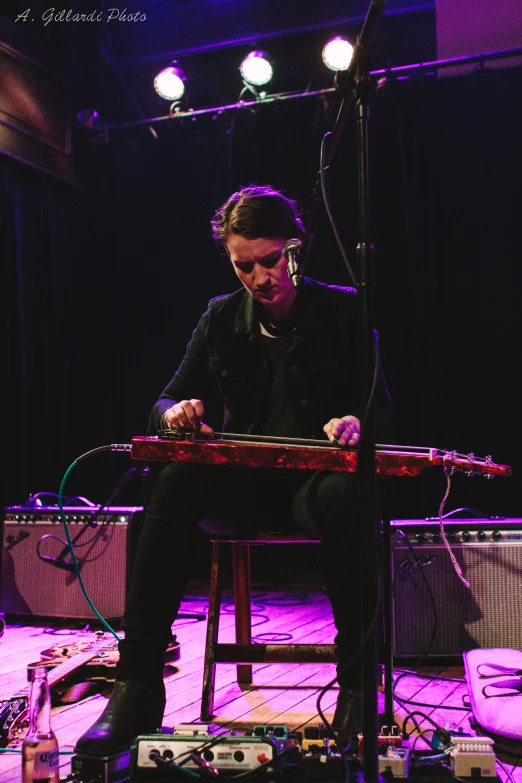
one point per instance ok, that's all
(324, 505)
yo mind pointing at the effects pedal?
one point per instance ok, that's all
(105, 769)
(472, 757)
(394, 762)
(194, 748)
(389, 736)
(318, 756)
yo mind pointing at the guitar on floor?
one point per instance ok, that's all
(103, 665)
(101, 656)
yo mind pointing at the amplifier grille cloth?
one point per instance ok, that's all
(487, 615)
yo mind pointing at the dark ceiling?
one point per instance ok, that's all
(193, 26)
(112, 61)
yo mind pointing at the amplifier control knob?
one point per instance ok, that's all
(436, 537)
(420, 538)
(466, 535)
(496, 535)
(481, 536)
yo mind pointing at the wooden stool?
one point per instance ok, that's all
(243, 652)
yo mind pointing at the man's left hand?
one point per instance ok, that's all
(346, 431)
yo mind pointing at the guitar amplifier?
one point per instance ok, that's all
(37, 576)
(487, 614)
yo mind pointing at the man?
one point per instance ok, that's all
(284, 361)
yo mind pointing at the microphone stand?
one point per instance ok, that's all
(357, 86)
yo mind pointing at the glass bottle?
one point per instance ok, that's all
(40, 759)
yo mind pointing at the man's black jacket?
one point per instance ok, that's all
(321, 369)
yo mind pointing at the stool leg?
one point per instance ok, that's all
(241, 573)
(214, 605)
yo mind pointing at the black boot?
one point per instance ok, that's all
(348, 718)
(134, 708)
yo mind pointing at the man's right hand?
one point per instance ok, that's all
(187, 415)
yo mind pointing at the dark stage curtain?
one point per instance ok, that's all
(102, 288)
(448, 190)
(38, 220)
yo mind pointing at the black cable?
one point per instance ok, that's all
(474, 511)
(410, 715)
(175, 769)
(229, 608)
(31, 503)
(272, 637)
(403, 701)
(400, 535)
(218, 740)
(417, 726)
(60, 561)
(289, 599)
(405, 672)
(422, 735)
(346, 666)
(122, 481)
(52, 631)
(326, 201)
(506, 770)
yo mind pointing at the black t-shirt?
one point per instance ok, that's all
(279, 417)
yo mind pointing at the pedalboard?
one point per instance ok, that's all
(269, 753)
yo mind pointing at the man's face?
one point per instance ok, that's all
(262, 269)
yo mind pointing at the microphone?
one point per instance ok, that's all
(291, 253)
(58, 562)
(408, 567)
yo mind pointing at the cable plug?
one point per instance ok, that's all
(441, 739)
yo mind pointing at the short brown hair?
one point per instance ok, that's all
(257, 211)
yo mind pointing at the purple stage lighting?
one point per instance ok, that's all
(170, 83)
(337, 54)
(256, 69)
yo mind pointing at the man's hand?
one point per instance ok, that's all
(187, 415)
(347, 431)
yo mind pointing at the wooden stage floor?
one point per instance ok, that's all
(282, 693)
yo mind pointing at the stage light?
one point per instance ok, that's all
(170, 82)
(256, 69)
(337, 54)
